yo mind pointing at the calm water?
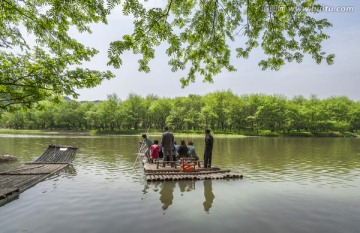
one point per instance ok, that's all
(290, 185)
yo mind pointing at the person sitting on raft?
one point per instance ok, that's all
(182, 150)
(191, 151)
(174, 151)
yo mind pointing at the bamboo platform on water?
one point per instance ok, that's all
(15, 181)
(172, 171)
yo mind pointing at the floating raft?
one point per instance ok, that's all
(172, 171)
(15, 181)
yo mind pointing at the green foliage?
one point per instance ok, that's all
(158, 111)
(186, 113)
(49, 67)
(222, 111)
(199, 34)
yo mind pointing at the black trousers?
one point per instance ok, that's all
(207, 158)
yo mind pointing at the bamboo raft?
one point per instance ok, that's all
(15, 181)
(164, 171)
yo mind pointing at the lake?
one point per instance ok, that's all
(290, 185)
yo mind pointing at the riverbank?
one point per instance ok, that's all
(155, 133)
(103, 133)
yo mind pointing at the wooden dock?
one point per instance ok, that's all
(15, 181)
(156, 171)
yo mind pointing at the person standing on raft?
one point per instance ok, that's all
(167, 143)
(146, 144)
(209, 141)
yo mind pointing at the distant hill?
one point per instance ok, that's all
(83, 101)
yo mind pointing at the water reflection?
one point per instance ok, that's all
(69, 170)
(209, 195)
(167, 194)
(186, 185)
(168, 188)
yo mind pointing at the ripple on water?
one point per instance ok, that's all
(318, 172)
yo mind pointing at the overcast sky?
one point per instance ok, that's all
(306, 78)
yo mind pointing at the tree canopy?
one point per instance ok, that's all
(222, 111)
(50, 67)
(199, 33)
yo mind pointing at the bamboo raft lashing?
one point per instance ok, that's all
(164, 171)
(15, 181)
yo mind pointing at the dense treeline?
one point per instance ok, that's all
(220, 111)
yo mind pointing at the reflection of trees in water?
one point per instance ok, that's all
(167, 194)
(209, 195)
